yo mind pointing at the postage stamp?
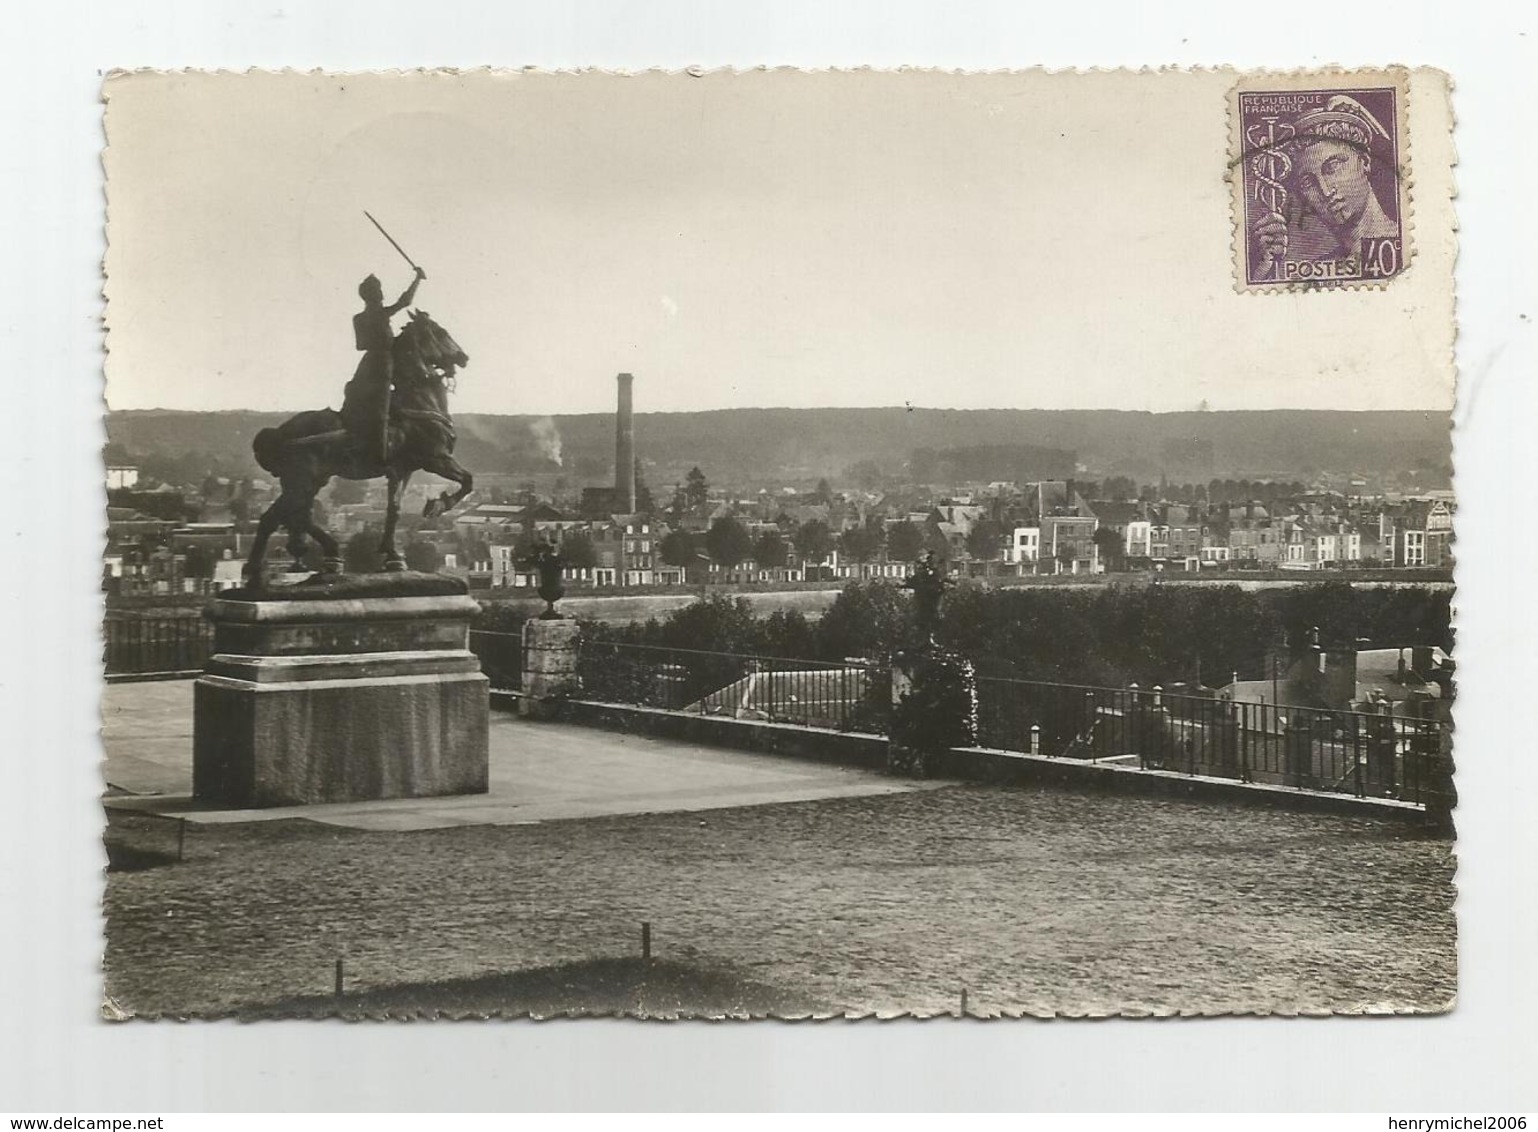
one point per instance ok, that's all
(1321, 180)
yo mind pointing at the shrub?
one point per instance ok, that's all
(938, 711)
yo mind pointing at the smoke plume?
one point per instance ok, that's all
(547, 438)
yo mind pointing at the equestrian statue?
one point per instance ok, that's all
(394, 422)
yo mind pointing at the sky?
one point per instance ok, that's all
(769, 238)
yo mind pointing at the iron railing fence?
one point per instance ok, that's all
(501, 657)
(1368, 755)
(145, 646)
(851, 696)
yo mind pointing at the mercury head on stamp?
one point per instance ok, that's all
(1321, 186)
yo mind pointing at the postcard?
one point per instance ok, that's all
(779, 544)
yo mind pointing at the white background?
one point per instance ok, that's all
(53, 1054)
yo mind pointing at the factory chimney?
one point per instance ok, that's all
(624, 448)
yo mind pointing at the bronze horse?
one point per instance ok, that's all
(309, 448)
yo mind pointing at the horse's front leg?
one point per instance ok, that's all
(449, 468)
(393, 562)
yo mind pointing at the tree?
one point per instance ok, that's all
(824, 492)
(867, 474)
(645, 503)
(679, 548)
(769, 549)
(923, 465)
(696, 488)
(1119, 488)
(362, 555)
(578, 551)
(679, 504)
(985, 541)
(814, 542)
(867, 619)
(523, 548)
(905, 543)
(728, 542)
(423, 555)
(197, 562)
(1113, 551)
(718, 623)
(240, 501)
(861, 544)
(937, 544)
(476, 549)
(116, 455)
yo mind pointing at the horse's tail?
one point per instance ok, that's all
(267, 446)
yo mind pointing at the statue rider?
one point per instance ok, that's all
(366, 400)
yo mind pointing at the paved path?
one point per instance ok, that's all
(539, 772)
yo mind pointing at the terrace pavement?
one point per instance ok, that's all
(538, 771)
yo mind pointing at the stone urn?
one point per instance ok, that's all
(550, 566)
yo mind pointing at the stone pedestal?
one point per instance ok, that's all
(549, 665)
(360, 689)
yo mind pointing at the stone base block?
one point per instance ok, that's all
(287, 743)
(340, 701)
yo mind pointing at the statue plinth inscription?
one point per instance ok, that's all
(365, 689)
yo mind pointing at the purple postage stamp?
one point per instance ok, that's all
(1320, 185)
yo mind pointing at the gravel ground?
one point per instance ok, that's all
(630, 988)
(1036, 902)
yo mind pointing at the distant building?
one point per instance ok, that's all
(219, 540)
(961, 517)
(1023, 547)
(624, 554)
(1256, 541)
(1068, 544)
(867, 571)
(1417, 533)
(487, 519)
(1414, 681)
(634, 550)
(229, 573)
(1138, 539)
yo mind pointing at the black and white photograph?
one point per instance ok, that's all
(774, 544)
(661, 557)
